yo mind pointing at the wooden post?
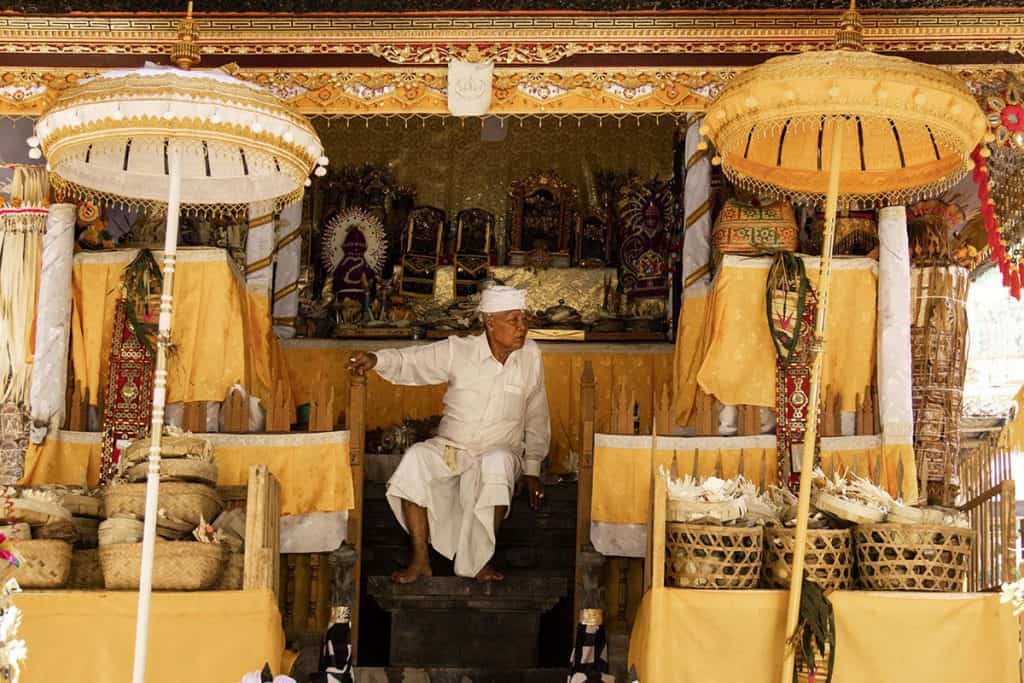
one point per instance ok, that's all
(279, 409)
(356, 445)
(707, 414)
(194, 417)
(236, 412)
(321, 407)
(748, 421)
(586, 476)
(262, 531)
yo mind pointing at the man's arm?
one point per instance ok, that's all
(537, 423)
(412, 366)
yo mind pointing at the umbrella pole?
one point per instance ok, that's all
(810, 436)
(159, 402)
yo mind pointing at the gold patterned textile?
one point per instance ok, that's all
(581, 288)
(313, 469)
(697, 635)
(222, 334)
(733, 357)
(452, 170)
(640, 367)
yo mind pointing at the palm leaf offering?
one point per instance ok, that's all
(816, 631)
(141, 280)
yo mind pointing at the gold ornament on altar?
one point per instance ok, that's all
(840, 125)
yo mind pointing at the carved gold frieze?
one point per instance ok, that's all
(515, 38)
(423, 90)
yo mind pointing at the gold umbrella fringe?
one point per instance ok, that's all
(178, 89)
(220, 136)
(735, 133)
(68, 191)
(540, 117)
(875, 200)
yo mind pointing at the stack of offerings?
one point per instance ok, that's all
(898, 547)
(42, 534)
(189, 551)
(86, 508)
(714, 532)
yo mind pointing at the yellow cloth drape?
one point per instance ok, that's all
(622, 466)
(734, 355)
(313, 469)
(221, 333)
(691, 345)
(719, 636)
(640, 367)
(209, 637)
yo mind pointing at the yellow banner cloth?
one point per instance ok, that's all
(208, 637)
(719, 636)
(221, 333)
(639, 367)
(622, 466)
(734, 351)
(313, 469)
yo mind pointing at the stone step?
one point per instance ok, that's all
(447, 621)
(452, 675)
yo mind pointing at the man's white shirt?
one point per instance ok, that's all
(487, 405)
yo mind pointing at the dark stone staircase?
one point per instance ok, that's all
(450, 629)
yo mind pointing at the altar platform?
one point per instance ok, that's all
(695, 635)
(209, 637)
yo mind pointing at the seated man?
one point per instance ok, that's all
(456, 488)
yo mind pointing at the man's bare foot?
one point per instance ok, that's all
(412, 573)
(489, 575)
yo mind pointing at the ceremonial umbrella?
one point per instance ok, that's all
(185, 141)
(842, 125)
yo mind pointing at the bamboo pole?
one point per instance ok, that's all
(159, 402)
(807, 458)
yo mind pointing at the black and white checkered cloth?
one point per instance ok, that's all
(336, 656)
(588, 662)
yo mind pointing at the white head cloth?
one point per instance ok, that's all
(501, 298)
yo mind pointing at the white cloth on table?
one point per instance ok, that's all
(496, 424)
(460, 496)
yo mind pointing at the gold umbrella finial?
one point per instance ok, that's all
(851, 31)
(185, 52)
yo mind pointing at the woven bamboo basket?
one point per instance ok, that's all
(178, 469)
(63, 530)
(86, 573)
(36, 512)
(828, 561)
(177, 565)
(16, 532)
(83, 506)
(899, 557)
(184, 501)
(44, 564)
(712, 557)
(119, 530)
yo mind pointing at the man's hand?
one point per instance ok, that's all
(535, 490)
(361, 361)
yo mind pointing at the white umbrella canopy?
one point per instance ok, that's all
(111, 138)
(202, 142)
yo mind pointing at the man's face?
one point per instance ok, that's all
(508, 329)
